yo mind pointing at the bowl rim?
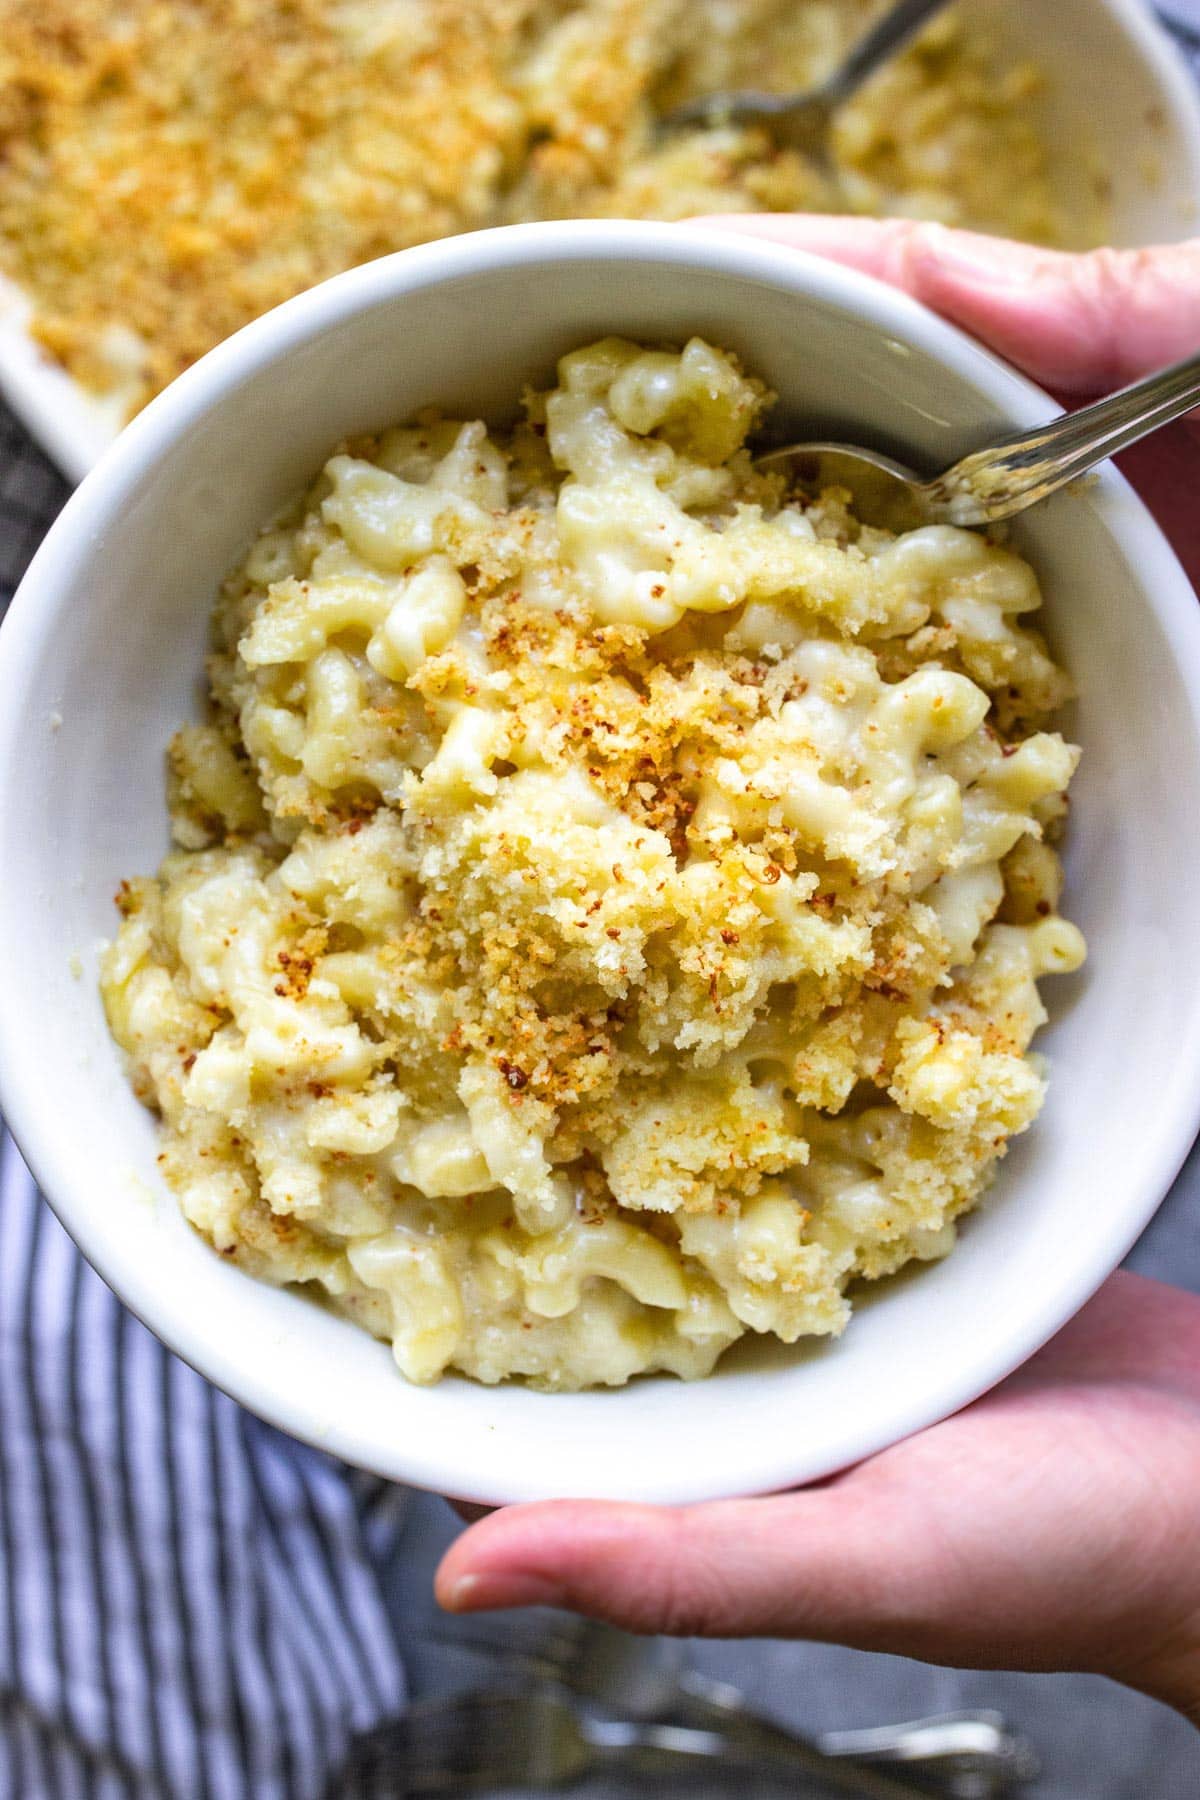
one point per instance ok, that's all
(30, 1106)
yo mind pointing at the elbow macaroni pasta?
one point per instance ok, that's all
(609, 893)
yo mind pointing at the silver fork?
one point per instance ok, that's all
(1016, 471)
(971, 1755)
(803, 120)
(532, 1737)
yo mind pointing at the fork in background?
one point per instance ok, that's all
(533, 1738)
(970, 1755)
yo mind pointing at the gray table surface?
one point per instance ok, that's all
(1097, 1741)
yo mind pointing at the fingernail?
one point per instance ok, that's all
(491, 1593)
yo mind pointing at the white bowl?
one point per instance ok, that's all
(1119, 101)
(101, 658)
(1144, 137)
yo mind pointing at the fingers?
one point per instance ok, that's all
(1076, 323)
(1143, 1330)
(821, 1563)
(1050, 1525)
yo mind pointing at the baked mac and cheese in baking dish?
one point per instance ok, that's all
(170, 169)
(609, 892)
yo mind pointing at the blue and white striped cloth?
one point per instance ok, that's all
(189, 1604)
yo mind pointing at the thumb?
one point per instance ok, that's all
(820, 1563)
(1077, 323)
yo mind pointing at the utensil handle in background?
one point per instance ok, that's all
(883, 40)
(670, 1748)
(750, 106)
(967, 1746)
(1028, 466)
(705, 1728)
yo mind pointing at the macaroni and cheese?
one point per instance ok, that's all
(609, 892)
(169, 169)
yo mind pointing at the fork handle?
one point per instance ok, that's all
(749, 106)
(1028, 466)
(866, 1764)
(656, 1749)
(713, 1711)
(883, 40)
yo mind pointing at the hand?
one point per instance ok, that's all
(1055, 1523)
(1079, 325)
